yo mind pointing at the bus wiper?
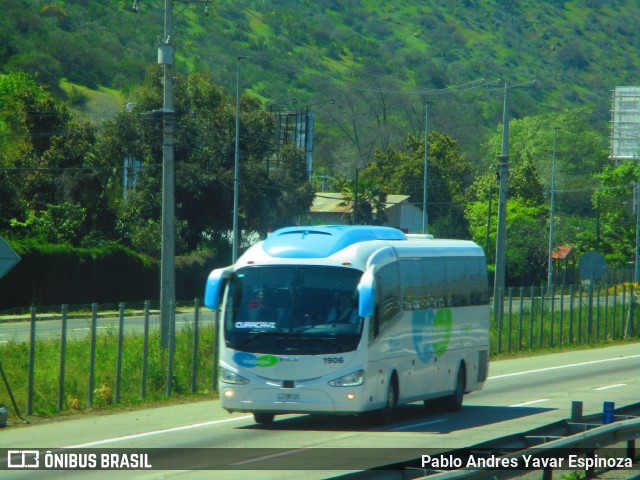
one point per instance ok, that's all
(314, 338)
(255, 335)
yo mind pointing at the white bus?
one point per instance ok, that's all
(417, 329)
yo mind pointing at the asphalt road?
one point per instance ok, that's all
(80, 326)
(520, 394)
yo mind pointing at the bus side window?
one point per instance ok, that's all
(434, 279)
(478, 278)
(458, 281)
(414, 295)
(374, 328)
(388, 282)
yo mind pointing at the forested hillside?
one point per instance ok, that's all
(380, 61)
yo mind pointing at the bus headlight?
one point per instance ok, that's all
(350, 380)
(227, 376)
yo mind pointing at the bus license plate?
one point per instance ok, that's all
(288, 397)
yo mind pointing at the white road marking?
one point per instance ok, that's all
(532, 402)
(414, 425)
(611, 386)
(559, 367)
(158, 432)
(266, 457)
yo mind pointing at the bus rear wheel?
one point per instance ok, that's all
(263, 418)
(453, 403)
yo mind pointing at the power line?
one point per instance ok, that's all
(77, 169)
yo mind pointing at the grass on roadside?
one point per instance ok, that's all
(75, 397)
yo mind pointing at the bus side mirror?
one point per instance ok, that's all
(213, 287)
(366, 295)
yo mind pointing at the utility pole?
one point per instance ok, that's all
(498, 285)
(637, 205)
(501, 241)
(425, 215)
(236, 170)
(553, 173)
(166, 57)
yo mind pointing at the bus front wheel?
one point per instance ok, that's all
(383, 416)
(263, 418)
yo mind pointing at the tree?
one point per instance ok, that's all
(44, 68)
(580, 156)
(617, 223)
(449, 174)
(293, 193)
(204, 158)
(368, 201)
(527, 237)
(9, 204)
(526, 222)
(15, 140)
(580, 150)
(54, 224)
(47, 192)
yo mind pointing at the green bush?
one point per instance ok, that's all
(54, 274)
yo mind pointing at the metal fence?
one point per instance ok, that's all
(537, 317)
(91, 356)
(100, 355)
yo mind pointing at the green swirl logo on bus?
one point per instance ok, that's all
(249, 360)
(431, 332)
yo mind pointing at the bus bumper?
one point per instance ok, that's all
(336, 400)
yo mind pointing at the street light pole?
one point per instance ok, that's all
(553, 173)
(236, 170)
(425, 215)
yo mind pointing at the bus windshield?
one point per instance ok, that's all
(301, 310)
